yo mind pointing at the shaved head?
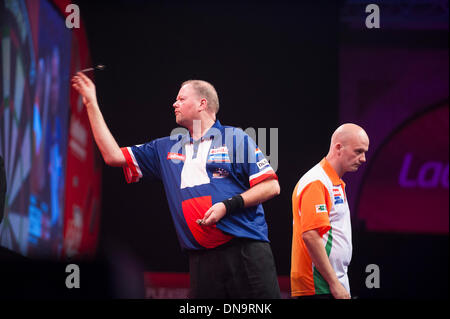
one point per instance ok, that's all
(348, 146)
(347, 132)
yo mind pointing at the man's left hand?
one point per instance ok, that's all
(213, 215)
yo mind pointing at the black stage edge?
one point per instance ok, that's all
(31, 279)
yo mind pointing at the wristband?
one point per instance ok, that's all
(233, 203)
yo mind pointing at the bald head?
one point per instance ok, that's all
(348, 146)
(347, 132)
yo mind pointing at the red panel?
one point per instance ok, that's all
(207, 236)
(83, 176)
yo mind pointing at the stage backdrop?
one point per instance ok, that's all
(394, 82)
(52, 203)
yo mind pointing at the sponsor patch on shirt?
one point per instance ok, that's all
(176, 156)
(219, 155)
(219, 150)
(220, 173)
(321, 208)
(262, 163)
(338, 198)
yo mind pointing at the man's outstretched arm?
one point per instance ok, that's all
(110, 150)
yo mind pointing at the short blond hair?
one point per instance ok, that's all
(205, 90)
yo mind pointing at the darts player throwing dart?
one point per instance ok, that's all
(215, 203)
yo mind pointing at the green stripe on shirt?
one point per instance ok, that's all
(320, 285)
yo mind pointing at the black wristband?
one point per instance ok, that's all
(233, 203)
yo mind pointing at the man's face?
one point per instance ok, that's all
(186, 106)
(354, 152)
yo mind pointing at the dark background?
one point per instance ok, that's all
(269, 69)
(274, 65)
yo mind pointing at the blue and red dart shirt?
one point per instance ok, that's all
(197, 174)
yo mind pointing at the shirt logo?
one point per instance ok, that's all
(219, 150)
(220, 173)
(338, 198)
(176, 156)
(321, 208)
(262, 163)
(219, 155)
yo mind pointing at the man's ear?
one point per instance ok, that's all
(203, 104)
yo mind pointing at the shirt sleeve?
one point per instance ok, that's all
(142, 162)
(314, 208)
(252, 161)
